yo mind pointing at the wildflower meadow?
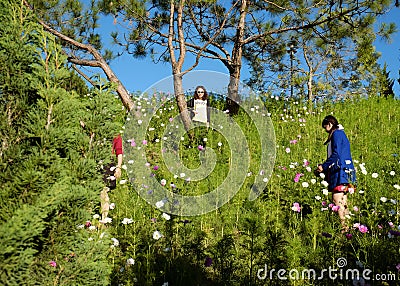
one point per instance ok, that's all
(289, 230)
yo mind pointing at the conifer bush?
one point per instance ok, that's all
(55, 136)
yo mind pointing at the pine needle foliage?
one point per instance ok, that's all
(55, 135)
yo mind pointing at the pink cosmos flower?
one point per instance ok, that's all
(297, 177)
(330, 205)
(171, 119)
(363, 229)
(293, 141)
(133, 143)
(355, 209)
(200, 147)
(144, 142)
(306, 163)
(391, 224)
(155, 168)
(398, 267)
(287, 150)
(335, 208)
(88, 223)
(53, 263)
(323, 203)
(296, 207)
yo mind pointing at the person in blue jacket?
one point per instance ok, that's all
(338, 167)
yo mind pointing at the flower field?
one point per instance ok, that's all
(290, 234)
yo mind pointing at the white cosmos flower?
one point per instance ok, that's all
(392, 173)
(115, 241)
(317, 198)
(219, 144)
(96, 216)
(107, 220)
(166, 216)
(313, 181)
(396, 186)
(127, 221)
(325, 192)
(130, 261)
(324, 183)
(182, 175)
(305, 185)
(159, 204)
(383, 199)
(157, 235)
(322, 175)
(374, 175)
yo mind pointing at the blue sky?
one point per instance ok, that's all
(140, 74)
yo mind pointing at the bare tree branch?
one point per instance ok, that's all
(97, 62)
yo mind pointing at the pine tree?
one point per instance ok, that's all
(53, 142)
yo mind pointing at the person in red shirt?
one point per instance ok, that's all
(118, 151)
(108, 179)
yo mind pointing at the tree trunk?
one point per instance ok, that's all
(233, 99)
(310, 86)
(177, 64)
(181, 101)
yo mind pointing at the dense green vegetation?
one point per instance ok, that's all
(243, 236)
(56, 137)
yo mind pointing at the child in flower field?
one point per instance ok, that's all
(338, 167)
(111, 173)
(117, 150)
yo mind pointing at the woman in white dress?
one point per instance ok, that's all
(199, 106)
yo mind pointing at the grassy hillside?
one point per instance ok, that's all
(242, 241)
